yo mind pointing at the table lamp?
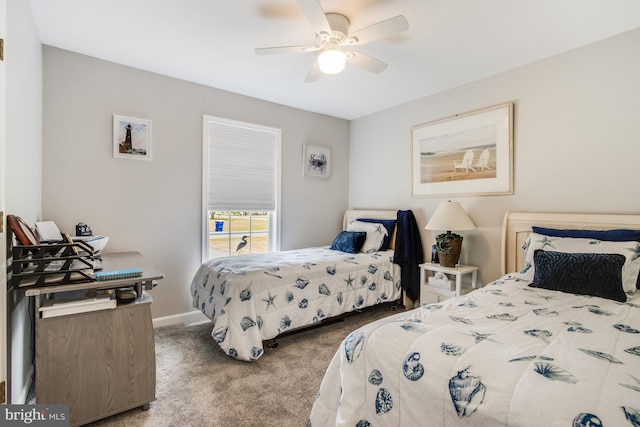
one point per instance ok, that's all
(449, 216)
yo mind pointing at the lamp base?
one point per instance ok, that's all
(449, 246)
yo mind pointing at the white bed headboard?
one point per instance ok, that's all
(517, 227)
(352, 214)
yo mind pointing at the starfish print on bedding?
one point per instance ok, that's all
(547, 242)
(636, 252)
(478, 336)
(349, 281)
(269, 301)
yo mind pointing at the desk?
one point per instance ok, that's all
(100, 362)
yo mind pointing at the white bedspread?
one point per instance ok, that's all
(504, 355)
(252, 298)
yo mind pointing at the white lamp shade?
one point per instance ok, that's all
(450, 216)
(332, 59)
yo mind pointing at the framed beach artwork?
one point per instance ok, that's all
(131, 138)
(316, 161)
(466, 154)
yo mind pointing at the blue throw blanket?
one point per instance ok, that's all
(408, 253)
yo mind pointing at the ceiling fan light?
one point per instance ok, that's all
(332, 60)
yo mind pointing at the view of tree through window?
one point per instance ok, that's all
(228, 232)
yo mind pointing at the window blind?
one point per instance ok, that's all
(242, 167)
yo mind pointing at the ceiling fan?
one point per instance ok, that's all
(332, 35)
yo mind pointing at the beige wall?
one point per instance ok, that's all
(155, 206)
(576, 145)
(21, 177)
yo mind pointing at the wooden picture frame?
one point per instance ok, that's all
(316, 161)
(131, 138)
(466, 154)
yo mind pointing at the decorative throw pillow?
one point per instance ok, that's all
(349, 241)
(630, 250)
(389, 224)
(615, 235)
(375, 234)
(599, 275)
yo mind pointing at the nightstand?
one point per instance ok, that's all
(445, 289)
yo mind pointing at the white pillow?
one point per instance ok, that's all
(630, 250)
(375, 234)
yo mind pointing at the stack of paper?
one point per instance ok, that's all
(53, 308)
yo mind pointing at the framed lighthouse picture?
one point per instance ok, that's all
(131, 138)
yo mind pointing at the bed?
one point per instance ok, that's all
(255, 298)
(532, 348)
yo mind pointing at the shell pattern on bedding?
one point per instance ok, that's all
(252, 298)
(503, 355)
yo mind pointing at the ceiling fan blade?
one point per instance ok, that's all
(365, 61)
(314, 73)
(380, 30)
(314, 13)
(285, 49)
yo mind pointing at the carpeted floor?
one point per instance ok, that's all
(198, 385)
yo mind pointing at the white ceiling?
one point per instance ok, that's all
(211, 42)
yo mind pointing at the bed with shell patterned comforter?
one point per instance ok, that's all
(253, 298)
(504, 355)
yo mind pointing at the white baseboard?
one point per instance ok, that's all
(189, 318)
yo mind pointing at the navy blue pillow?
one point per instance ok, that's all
(599, 275)
(349, 241)
(389, 224)
(617, 235)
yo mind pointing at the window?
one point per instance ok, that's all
(241, 173)
(232, 233)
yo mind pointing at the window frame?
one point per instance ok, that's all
(274, 217)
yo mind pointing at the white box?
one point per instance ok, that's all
(442, 283)
(427, 297)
